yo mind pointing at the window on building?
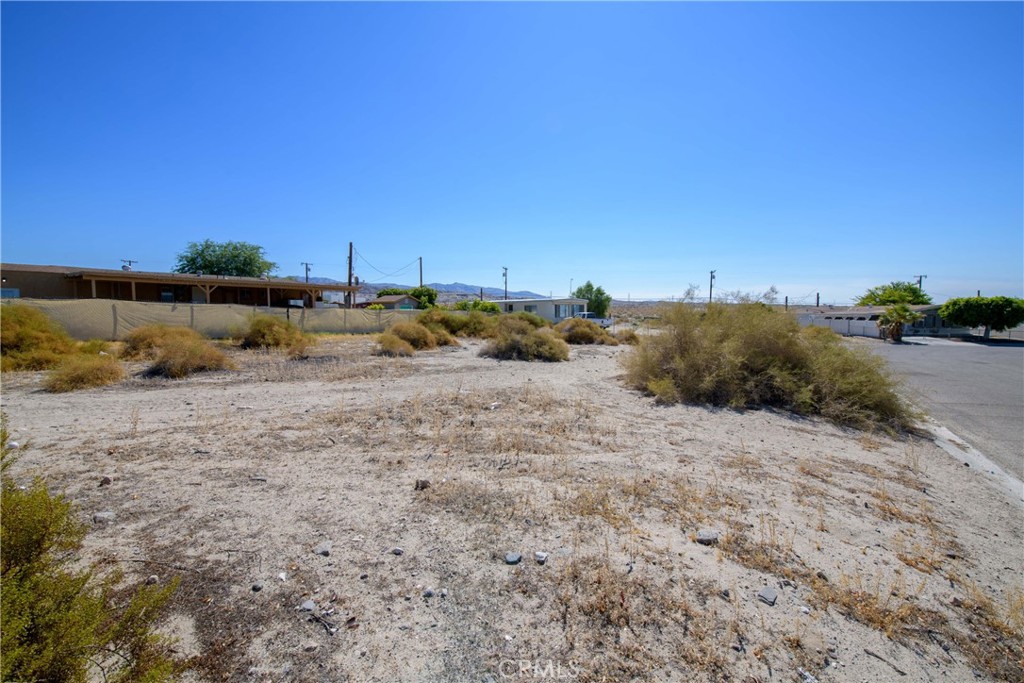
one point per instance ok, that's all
(530, 308)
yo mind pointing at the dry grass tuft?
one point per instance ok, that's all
(270, 332)
(580, 331)
(415, 334)
(146, 342)
(83, 372)
(389, 344)
(30, 340)
(529, 345)
(186, 357)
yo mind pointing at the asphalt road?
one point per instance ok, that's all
(975, 390)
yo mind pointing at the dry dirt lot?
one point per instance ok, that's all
(888, 558)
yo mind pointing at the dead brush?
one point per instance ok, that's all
(597, 499)
(477, 501)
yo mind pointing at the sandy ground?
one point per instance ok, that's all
(889, 559)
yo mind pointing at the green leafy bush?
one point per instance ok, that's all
(30, 340)
(531, 345)
(82, 372)
(60, 624)
(271, 332)
(749, 355)
(417, 335)
(375, 307)
(580, 331)
(389, 344)
(477, 305)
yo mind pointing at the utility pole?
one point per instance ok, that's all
(421, 271)
(711, 287)
(504, 274)
(127, 264)
(817, 300)
(570, 286)
(350, 295)
(919, 278)
(307, 270)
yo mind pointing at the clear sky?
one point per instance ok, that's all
(817, 147)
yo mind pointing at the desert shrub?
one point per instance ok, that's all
(443, 324)
(509, 324)
(30, 340)
(580, 331)
(375, 307)
(627, 336)
(146, 342)
(531, 345)
(748, 355)
(187, 357)
(94, 346)
(389, 344)
(270, 332)
(535, 320)
(418, 336)
(479, 324)
(58, 623)
(82, 372)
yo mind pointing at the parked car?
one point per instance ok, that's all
(605, 323)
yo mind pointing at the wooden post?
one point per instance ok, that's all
(133, 290)
(93, 288)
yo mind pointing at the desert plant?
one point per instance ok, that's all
(477, 305)
(187, 357)
(82, 372)
(59, 622)
(375, 307)
(627, 336)
(389, 344)
(749, 355)
(418, 336)
(146, 342)
(891, 323)
(544, 345)
(30, 340)
(94, 346)
(270, 332)
(532, 318)
(580, 331)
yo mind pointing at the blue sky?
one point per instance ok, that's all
(817, 147)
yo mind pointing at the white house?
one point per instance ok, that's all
(552, 310)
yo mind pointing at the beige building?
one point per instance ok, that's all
(552, 310)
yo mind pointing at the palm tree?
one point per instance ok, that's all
(890, 323)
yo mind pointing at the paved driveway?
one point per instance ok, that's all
(974, 390)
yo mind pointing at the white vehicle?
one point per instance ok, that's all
(605, 323)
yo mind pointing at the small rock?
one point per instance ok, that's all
(726, 594)
(282, 576)
(13, 444)
(257, 587)
(429, 593)
(152, 580)
(364, 577)
(822, 576)
(444, 592)
(422, 484)
(104, 517)
(106, 481)
(768, 596)
(310, 646)
(513, 558)
(397, 551)
(308, 606)
(707, 537)
(967, 464)
(541, 557)
(323, 549)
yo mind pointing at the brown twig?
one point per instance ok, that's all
(883, 659)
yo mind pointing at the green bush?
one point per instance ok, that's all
(417, 335)
(543, 345)
(535, 320)
(375, 307)
(271, 332)
(60, 624)
(82, 372)
(187, 357)
(749, 355)
(390, 345)
(30, 340)
(477, 305)
(580, 331)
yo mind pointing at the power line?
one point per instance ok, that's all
(382, 273)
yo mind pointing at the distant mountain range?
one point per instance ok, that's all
(446, 292)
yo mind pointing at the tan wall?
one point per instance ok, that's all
(113, 320)
(39, 285)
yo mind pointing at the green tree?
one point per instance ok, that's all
(895, 317)
(993, 313)
(240, 259)
(894, 293)
(597, 300)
